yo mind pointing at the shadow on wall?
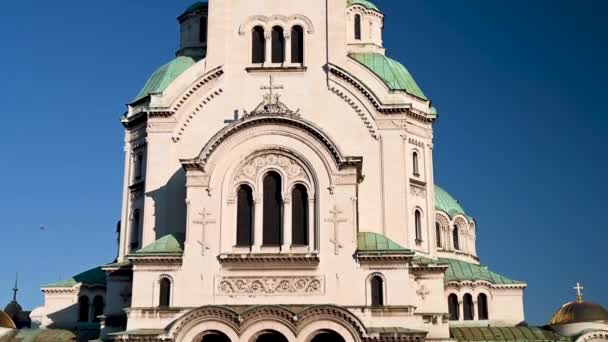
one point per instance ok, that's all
(66, 319)
(170, 206)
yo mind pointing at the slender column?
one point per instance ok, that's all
(311, 224)
(460, 309)
(287, 226)
(287, 54)
(268, 36)
(475, 313)
(258, 228)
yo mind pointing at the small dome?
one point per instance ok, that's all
(165, 75)
(446, 203)
(365, 3)
(13, 309)
(195, 7)
(577, 312)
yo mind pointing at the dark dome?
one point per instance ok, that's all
(576, 312)
(13, 309)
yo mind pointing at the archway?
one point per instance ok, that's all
(212, 336)
(271, 336)
(328, 336)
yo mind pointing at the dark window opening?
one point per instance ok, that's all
(297, 44)
(328, 336)
(165, 293)
(273, 210)
(482, 307)
(202, 32)
(214, 336)
(278, 45)
(258, 45)
(415, 163)
(456, 236)
(469, 310)
(299, 215)
(377, 287)
(454, 307)
(438, 233)
(135, 230)
(83, 309)
(358, 27)
(271, 336)
(244, 221)
(418, 223)
(98, 307)
(139, 166)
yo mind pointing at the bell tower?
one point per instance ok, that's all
(193, 31)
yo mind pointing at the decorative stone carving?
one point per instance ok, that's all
(423, 292)
(290, 167)
(418, 191)
(263, 286)
(271, 105)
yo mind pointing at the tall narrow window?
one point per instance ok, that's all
(278, 45)
(135, 230)
(438, 234)
(482, 307)
(415, 164)
(468, 308)
(244, 219)
(456, 237)
(454, 307)
(418, 224)
(83, 309)
(357, 26)
(139, 166)
(273, 213)
(258, 45)
(202, 30)
(299, 215)
(297, 44)
(98, 306)
(377, 287)
(164, 300)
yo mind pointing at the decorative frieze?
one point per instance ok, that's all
(271, 286)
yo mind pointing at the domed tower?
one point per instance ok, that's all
(193, 31)
(15, 311)
(580, 317)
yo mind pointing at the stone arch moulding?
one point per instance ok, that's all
(337, 165)
(267, 22)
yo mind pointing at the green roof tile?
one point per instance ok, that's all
(464, 271)
(95, 276)
(195, 7)
(168, 244)
(164, 76)
(391, 72)
(446, 203)
(505, 334)
(376, 243)
(365, 3)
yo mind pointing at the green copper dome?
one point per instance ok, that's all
(195, 7)
(391, 72)
(95, 276)
(164, 76)
(168, 244)
(376, 243)
(365, 3)
(446, 203)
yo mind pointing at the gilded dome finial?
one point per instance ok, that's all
(579, 292)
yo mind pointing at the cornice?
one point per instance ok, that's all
(253, 261)
(476, 283)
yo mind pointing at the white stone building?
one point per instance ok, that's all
(279, 186)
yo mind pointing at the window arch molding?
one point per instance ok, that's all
(418, 224)
(444, 222)
(267, 22)
(368, 287)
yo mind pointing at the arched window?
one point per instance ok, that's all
(438, 234)
(418, 224)
(482, 307)
(453, 307)
(213, 336)
(244, 219)
(258, 45)
(299, 215)
(98, 306)
(278, 45)
(202, 30)
(297, 44)
(328, 336)
(415, 164)
(83, 309)
(357, 26)
(164, 300)
(271, 336)
(273, 210)
(135, 230)
(456, 236)
(468, 308)
(377, 289)
(139, 166)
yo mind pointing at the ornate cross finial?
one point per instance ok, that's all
(270, 97)
(16, 288)
(579, 292)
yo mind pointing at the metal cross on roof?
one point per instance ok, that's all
(270, 97)
(16, 288)
(579, 292)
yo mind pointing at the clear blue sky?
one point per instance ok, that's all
(520, 86)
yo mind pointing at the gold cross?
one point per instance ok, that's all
(579, 292)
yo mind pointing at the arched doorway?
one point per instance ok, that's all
(271, 336)
(328, 336)
(212, 336)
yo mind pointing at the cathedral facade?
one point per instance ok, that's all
(279, 186)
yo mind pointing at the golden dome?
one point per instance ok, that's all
(579, 311)
(6, 321)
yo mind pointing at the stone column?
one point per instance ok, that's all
(287, 228)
